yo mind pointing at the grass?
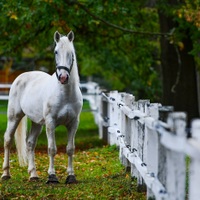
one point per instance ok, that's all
(98, 170)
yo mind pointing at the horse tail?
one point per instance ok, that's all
(20, 141)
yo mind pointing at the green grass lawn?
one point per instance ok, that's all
(98, 170)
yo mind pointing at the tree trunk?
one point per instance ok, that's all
(178, 72)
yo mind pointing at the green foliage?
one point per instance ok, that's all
(189, 16)
(123, 61)
(23, 25)
(186, 18)
(126, 62)
(114, 40)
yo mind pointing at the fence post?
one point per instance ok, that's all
(129, 101)
(142, 140)
(127, 125)
(105, 119)
(152, 145)
(162, 169)
(96, 102)
(113, 117)
(176, 170)
(122, 120)
(194, 169)
(143, 107)
(134, 139)
(102, 114)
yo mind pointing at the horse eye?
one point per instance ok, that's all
(56, 52)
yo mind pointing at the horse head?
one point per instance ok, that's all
(64, 55)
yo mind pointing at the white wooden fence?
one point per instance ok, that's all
(153, 142)
(4, 95)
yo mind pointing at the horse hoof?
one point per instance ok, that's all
(5, 177)
(71, 179)
(52, 179)
(34, 179)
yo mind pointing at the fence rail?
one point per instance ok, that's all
(153, 142)
(88, 89)
(4, 88)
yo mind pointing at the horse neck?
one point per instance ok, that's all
(74, 76)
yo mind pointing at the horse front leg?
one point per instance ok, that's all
(52, 150)
(70, 152)
(31, 143)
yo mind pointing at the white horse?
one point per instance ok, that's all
(45, 100)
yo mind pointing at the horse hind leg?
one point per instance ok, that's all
(31, 143)
(8, 138)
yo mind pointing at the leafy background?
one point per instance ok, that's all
(117, 42)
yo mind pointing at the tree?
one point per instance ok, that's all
(178, 64)
(125, 61)
(116, 41)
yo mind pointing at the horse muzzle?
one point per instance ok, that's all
(63, 77)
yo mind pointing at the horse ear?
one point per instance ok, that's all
(70, 36)
(57, 36)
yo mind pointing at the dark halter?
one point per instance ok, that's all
(65, 68)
